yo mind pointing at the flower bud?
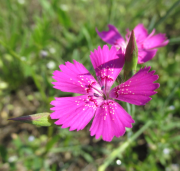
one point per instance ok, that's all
(39, 119)
(131, 57)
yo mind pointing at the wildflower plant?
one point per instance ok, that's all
(115, 101)
(97, 99)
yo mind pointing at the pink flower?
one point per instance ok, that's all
(98, 101)
(147, 44)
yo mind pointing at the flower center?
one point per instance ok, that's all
(96, 93)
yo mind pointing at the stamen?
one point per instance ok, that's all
(97, 90)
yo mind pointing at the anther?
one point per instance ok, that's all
(96, 95)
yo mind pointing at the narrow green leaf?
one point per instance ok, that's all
(40, 119)
(51, 142)
(3, 153)
(174, 139)
(175, 5)
(87, 36)
(174, 40)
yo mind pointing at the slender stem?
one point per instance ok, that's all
(118, 151)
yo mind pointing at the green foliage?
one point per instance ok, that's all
(36, 37)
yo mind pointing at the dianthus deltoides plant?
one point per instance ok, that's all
(98, 101)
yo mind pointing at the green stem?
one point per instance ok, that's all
(117, 152)
(50, 132)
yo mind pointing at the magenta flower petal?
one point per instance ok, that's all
(73, 112)
(156, 41)
(110, 120)
(138, 88)
(140, 33)
(73, 78)
(107, 64)
(145, 55)
(111, 36)
(147, 43)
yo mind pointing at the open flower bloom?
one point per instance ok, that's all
(97, 101)
(147, 43)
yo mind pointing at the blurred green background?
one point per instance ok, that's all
(36, 36)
